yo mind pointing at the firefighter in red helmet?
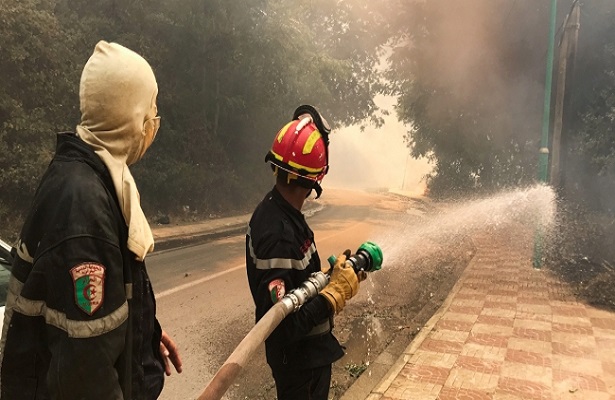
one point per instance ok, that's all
(281, 254)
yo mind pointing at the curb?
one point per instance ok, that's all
(184, 240)
(163, 244)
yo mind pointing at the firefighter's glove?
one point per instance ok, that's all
(342, 286)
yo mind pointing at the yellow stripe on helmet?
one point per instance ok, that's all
(283, 132)
(277, 156)
(297, 165)
(308, 169)
(311, 141)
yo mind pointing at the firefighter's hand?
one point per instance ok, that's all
(342, 286)
(328, 267)
(170, 352)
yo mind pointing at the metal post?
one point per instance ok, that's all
(567, 49)
(543, 156)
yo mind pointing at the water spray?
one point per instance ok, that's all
(368, 258)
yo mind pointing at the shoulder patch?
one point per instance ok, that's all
(277, 290)
(89, 284)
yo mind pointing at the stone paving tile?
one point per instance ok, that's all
(603, 333)
(486, 352)
(529, 323)
(488, 339)
(487, 319)
(535, 346)
(470, 296)
(510, 332)
(523, 389)
(433, 359)
(451, 393)
(462, 326)
(528, 357)
(463, 378)
(567, 328)
(442, 346)
(455, 316)
(450, 335)
(534, 334)
(472, 303)
(527, 372)
(533, 317)
(498, 312)
(492, 329)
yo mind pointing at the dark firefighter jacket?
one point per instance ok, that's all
(280, 245)
(67, 335)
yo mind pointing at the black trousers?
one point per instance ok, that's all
(309, 384)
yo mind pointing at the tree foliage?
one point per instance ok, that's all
(593, 98)
(470, 79)
(230, 74)
(589, 133)
(36, 94)
(469, 76)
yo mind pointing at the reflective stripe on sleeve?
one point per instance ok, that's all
(74, 328)
(282, 263)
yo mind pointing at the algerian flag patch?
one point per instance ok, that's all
(277, 290)
(89, 283)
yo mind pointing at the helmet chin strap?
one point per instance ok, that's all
(312, 185)
(317, 188)
(301, 181)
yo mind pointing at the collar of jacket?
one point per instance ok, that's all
(69, 145)
(285, 205)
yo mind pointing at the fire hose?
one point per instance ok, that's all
(368, 258)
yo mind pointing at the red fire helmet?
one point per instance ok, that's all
(299, 149)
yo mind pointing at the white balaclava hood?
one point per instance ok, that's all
(118, 104)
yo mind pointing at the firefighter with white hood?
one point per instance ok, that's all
(80, 319)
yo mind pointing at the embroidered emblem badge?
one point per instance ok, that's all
(277, 290)
(89, 282)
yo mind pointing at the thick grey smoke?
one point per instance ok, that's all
(375, 158)
(485, 61)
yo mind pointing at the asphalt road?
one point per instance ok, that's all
(205, 304)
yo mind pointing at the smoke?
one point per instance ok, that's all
(375, 158)
(485, 62)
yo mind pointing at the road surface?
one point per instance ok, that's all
(204, 301)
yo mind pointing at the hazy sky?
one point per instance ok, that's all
(374, 158)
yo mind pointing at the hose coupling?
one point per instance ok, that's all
(307, 290)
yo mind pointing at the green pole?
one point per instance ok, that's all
(543, 156)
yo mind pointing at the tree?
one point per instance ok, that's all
(230, 75)
(469, 76)
(589, 134)
(36, 96)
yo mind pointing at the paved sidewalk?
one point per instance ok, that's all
(507, 331)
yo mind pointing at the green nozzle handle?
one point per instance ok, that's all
(375, 254)
(367, 258)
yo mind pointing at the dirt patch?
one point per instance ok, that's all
(582, 254)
